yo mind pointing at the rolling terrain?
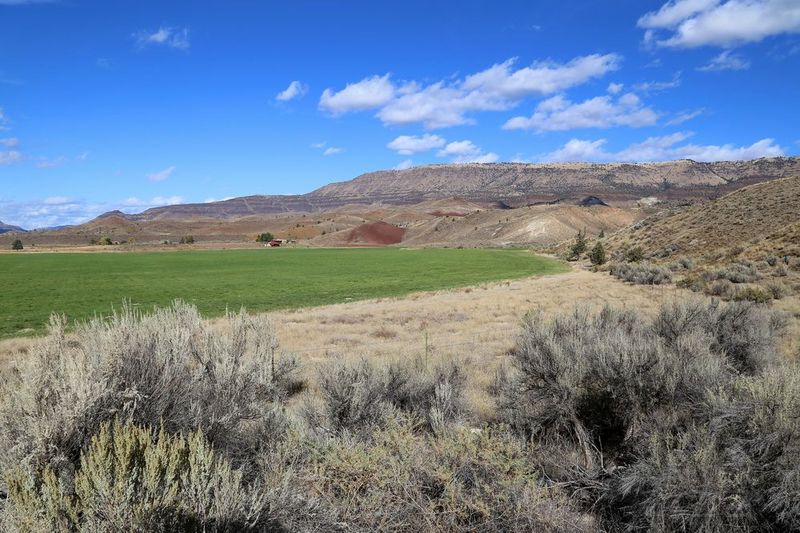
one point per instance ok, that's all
(759, 220)
(443, 205)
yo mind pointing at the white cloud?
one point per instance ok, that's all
(161, 175)
(578, 150)
(466, 152)
(319, 144)
(10, 142)
(727, 60)
(3, 120)
(725, 23)
(449, 103)
(409, 144)
(332, 150)
(172, 37)
(10, 156)
(60, 210)
(658, 86)
(403, 165)
(559, 114)
(615, 88)
(663, 148)
(294, 90)
(685, 117)
(368, 93)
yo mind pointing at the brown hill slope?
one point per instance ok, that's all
(513, 183)
(761, 219)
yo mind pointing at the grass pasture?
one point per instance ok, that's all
(80, 285)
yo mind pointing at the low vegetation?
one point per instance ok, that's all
(605, 421)
(641, 273)
(261, 280)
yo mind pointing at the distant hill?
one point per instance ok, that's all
(513, 184)
(759, 220)
(7, 228)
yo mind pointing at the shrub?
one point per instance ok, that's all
(736, 471)
(460, 480)
(188, 239)
(641, 274)
(682, 263)
(691, 282)
(131, 479)
(17, 245)
(753, 294)
(578, 247)
(164, 368)
(264, 237)
(599, 380)
(634, 255)
(735, 273)
(358, 398)
(721, 288)
(598, 254)
(777, 289)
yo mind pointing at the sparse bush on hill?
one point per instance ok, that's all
(17, 245)
(598, 254)
(578, 247)
(634, 254)
(188, 239)
(752, 294)
(264, 237)
(641, 273)
(735, 273)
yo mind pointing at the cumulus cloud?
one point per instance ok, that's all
(161, 175)
(403, 165)
(727, 60)
(294, 90)
(171, 37)
(725, 23)
(409, 144)
(615, 88)
(559, 114)
(663, 148)
(450, 103)
(10, 142)
(61, 210)
(368, 93)
(466, 152)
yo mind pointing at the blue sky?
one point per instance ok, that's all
(130, 104)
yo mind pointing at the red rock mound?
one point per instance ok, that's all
(376, 233)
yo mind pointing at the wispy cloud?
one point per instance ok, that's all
(686, 116)
(658, 86)
(727, 60)
(332, 150)
(169, 36)
(294, 90)
(452, 102)
(161, 175)
(404, 165)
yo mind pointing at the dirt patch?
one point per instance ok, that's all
(376, 233)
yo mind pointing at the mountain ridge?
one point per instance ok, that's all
(515, 184)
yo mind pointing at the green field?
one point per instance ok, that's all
(80, 285)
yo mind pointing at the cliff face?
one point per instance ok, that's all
(513, 183)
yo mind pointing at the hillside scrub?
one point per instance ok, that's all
(641, 273)
(606, 421)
